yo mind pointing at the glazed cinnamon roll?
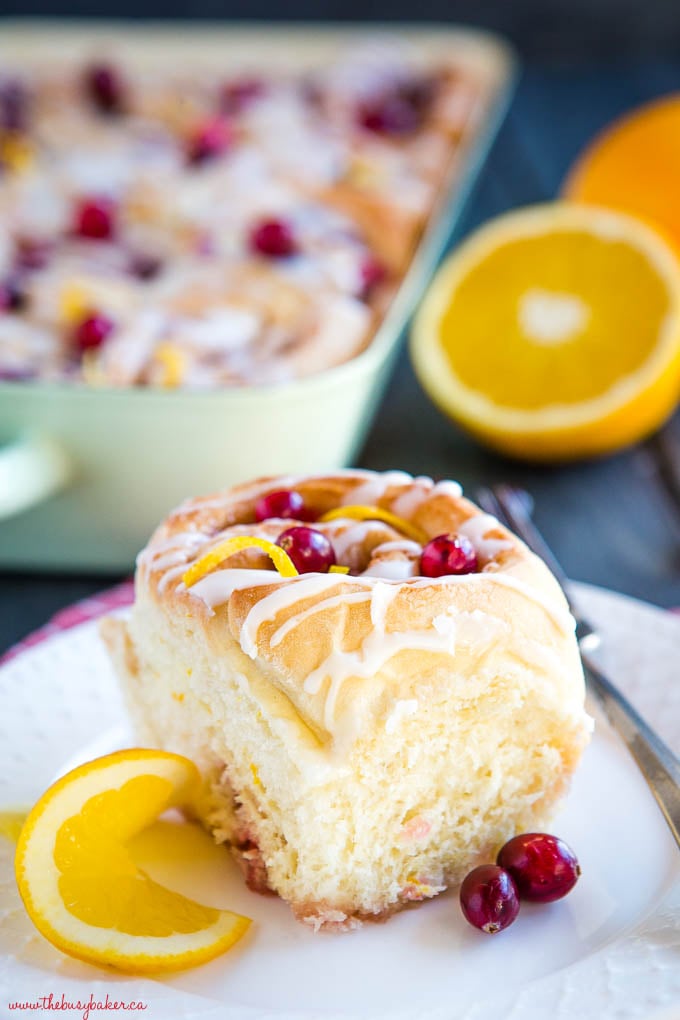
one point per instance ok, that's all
(379, 683)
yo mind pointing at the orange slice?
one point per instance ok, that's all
(554, 332)
(224, 550)
(80, 886)
(376, 513)
(634, 165)
(11, 824)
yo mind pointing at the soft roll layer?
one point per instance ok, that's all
(366, 738)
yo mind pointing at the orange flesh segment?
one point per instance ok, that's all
(567, 271)
(99, 882)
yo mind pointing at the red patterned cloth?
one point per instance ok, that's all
(80, 612)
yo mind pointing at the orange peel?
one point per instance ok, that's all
(359, 512)
(223, 550)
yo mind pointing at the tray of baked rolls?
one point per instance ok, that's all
(221, 226)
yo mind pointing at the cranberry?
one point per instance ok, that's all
(419, 92)
(94, 219)
(398, 111)
(372, 272)
(390, 115)
(32, 253)
(274, 238)
(488, 898)
(544, 867)
(13, 297)
(144, 267)
(16, 374)
(92, 332)
(282, 503)
(210, 140)
(104, 86)
(310, 551)
(448, 554)
(240, 93)
(13, 105)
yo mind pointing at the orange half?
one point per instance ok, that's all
(554, 332)
(634, 165)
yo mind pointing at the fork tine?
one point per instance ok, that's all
(512, 507)
(487, 500)
(517, 506)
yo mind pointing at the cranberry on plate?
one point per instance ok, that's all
(488, 898)
(544, 867)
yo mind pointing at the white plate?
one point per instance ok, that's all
(611, 949)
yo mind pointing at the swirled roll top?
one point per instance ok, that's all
(343, 646)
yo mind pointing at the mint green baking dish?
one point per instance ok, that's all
(86, 474)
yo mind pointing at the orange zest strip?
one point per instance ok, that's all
(224, 550)
(376, 513)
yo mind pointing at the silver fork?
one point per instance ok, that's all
(658, 764)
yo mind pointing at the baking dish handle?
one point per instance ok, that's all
(32, 468)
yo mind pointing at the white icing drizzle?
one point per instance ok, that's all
(303, 587)
(394, 561)
(397, 569)
(329, 603)
(375, 487)
(475, 528)
(380, 645)
(448, 488)
(406, 546)
(402, 710)
(406, 504)
(355, 535)
(377, 649)
(171, 575)
(217, 588)
(186, 540)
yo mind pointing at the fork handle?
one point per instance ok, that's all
(656, 761)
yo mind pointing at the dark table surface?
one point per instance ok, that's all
(611, 522)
